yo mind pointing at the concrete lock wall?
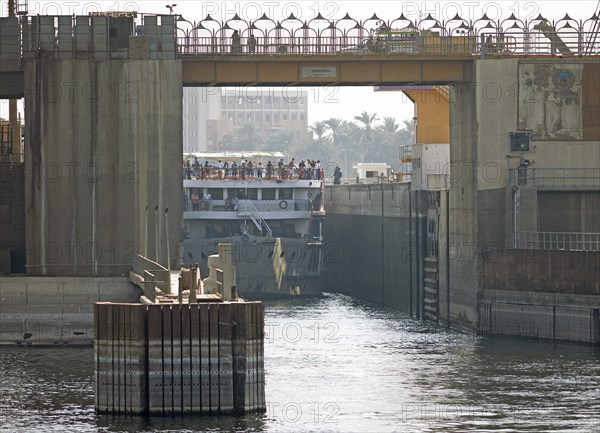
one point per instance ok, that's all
(369, 249)
(56, 311)
(103, 145)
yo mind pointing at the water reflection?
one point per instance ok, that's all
(337, 364)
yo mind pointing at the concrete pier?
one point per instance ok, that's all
(165, 359)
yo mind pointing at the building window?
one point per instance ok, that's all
(301, 116)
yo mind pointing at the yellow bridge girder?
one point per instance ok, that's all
(320, 70)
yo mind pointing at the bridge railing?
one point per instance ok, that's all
(565, 44)
(108, 36)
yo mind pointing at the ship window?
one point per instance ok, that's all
(268, 194)
(216, 193)
(241, 193)
(252, 194)
(285, 193)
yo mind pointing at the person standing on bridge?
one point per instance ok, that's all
(236, 47)
(251, 44)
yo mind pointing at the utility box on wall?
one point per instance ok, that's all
(519, 141)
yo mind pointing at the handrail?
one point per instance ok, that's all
(534, 177)
(257, 218)
(569, 241)
(209, 37)
(536, 42)
(296, 205)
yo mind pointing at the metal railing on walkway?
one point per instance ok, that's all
(554, 177)
(261, 206)
(568, 241)
(426, 43)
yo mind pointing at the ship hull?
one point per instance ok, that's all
(266, 268)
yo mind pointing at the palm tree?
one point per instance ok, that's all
(335, 126)
(389, 125)
(364, 135)
(319, 129)
(407, 133)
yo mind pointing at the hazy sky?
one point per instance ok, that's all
(343, 102)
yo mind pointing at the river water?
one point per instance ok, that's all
(339, 365)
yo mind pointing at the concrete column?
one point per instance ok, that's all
(464, 260)
(104, 140)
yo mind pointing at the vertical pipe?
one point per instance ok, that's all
(382, 249)
(156, 234)
(146, 235)
(448, 258)
(12, 110)
(410, 244)
(167, 238)
(419, 258)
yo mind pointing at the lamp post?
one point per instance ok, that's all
(171, 7)
(190, 33)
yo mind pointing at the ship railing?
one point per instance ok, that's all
(281, 205)
(566, 241)
(261, 206)
(253, 174)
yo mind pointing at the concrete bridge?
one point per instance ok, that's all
(103, 107)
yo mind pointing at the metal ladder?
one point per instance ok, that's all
(257, 219)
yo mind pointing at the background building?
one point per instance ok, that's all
(210, 114)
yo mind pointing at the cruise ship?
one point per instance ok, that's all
(272, 216)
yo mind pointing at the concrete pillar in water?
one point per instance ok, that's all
(205, 358)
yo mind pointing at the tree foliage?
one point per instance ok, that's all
(334, 141)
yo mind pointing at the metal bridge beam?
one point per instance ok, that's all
(316, 71)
